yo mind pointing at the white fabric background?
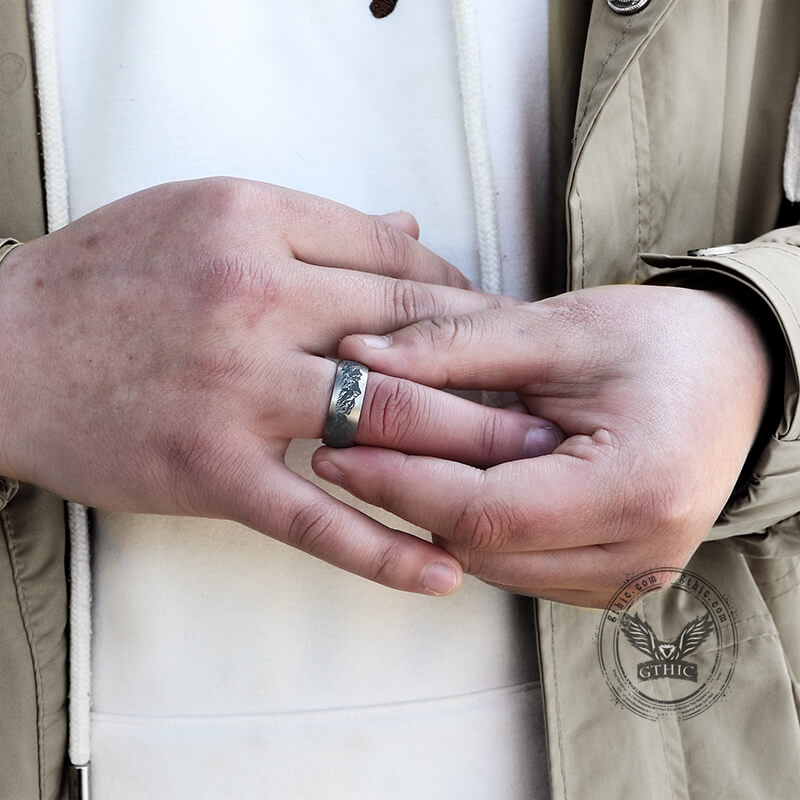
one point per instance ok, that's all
(225, 664)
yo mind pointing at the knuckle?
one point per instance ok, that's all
(219, 370)
(288, 207)
(442, 332)
(668, 509)
(482, 525)
(226, 200)
(226, 266)
(472, 561)
(450, 330)
(236, 276)
(489, 436)
(194, 464)
(662, 521)
(389, 247)
(311, 529)
(497, 302)
(394, 408)
(578, 310)
(411, 302)
(387, 564)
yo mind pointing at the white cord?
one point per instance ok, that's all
(791, 161)
(80, 621)
(55, 183)
(469, 68)
(55, 171)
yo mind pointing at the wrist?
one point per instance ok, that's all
(763, 338)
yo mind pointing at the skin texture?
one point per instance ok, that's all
(660, 392)
(159, 354)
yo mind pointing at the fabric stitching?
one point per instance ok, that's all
(781, 577)
(665, 756)
(600, 72)
(28, 626)
(640, 244)
(721, 139)
(583, 240)
(667, 761)
(556, 692)
(783, 592)
(766, 277)
(754, 617)
(755, 638)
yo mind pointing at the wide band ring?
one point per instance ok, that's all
(347, 398)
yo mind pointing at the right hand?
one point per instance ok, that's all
(159, 354)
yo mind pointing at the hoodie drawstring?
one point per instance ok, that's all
(80, 612)
(475, 129)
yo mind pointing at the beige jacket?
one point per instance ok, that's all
(679, 116)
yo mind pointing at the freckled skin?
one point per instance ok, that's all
(159, 354)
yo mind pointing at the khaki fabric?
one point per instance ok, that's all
(33, 609)
(679, 121)
(33, 604)
(679, 141)
(21, 195)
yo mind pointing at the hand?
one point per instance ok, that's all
(158, 355)
(660, 392)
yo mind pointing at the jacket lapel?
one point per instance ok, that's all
(612, 44)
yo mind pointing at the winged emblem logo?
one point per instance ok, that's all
(666, 658)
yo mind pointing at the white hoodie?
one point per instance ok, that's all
(226, 664)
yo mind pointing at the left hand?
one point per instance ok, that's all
(660, 392)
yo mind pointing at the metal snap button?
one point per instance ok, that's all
(628, 6)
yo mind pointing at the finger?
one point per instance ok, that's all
(549, 503)
(330, 234)
(412, 418)
(402, 415)
(585, 576)
(403, 221)
(275, 501)
(344, 300)
(500, 349)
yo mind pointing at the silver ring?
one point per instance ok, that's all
(347, 398)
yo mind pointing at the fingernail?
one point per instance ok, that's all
(329, 472)
(395, 215)
(439, 578)
(375, 342)
(541, 441)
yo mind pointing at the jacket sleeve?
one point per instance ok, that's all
(33, 643)
(765, 514)
(8, 487)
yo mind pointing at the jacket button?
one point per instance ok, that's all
(628, 6)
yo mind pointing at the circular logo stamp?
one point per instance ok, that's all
(667, 644)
